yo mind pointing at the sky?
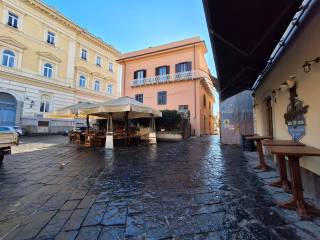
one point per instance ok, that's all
(131, 25)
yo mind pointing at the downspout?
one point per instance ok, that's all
(195, 84)
(124, 79)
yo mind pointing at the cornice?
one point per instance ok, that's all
(58, 17)
(35, 82)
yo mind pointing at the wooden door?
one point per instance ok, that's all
(269, 117)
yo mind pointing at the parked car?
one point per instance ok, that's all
(65, 133)
(8, 138)
(80, 129)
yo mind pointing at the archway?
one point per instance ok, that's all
(8, 108)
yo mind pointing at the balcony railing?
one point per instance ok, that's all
(181, 76)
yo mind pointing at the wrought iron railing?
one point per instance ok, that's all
(189, 75)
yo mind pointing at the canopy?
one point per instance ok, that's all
(73, 111)
(243, 36)
(118, 108)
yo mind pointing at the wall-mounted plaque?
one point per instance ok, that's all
(294, 116)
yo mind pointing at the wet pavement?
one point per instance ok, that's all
(195, 189)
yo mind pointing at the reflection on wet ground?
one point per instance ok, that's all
(196, 189)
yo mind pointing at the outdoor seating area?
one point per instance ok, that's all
(116, 122)
(293, 151)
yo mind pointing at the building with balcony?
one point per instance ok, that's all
(49, 62)
(173, 76)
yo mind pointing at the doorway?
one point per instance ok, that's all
(8, 108)
(269, 117)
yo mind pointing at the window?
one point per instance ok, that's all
(111, 67)
(139, 97)
(98, 61)
(51, 38)
(13, 20)
(96, 86)
(204, 100)
(82, 81)
(44, 103)
(162, 72)
(47, 70)
(162, 98)
(183, 107)
(109, 89)
(183, 67)
(8, 58)
(84, 54)
(140, 74)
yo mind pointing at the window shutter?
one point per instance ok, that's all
(144, 73)
(189, 66)
(168, 69)
(177, 67)
(135, 75)
(157, 71)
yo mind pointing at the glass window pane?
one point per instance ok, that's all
(5, 60)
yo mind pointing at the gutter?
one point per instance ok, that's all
(307, 9)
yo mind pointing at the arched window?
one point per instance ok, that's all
(47, 70)
(109, 89)
(8, 58)
(97, 86)
(45, 103)
(82, 81)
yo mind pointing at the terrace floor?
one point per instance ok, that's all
(195, 189)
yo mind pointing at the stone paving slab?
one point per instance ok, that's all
(195, 189)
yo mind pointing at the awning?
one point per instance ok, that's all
(243, 36)
(120, 106)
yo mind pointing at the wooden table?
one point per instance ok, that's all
(262, 166)
(294, 153)
(283, 181)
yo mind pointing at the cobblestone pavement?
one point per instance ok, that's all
(196, 189)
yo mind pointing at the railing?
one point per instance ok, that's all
(190, 75)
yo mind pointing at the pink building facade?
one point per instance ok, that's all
(173, 76)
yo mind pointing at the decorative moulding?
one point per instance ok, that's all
(98, 75)
(12, 42)
(83, 69)
(49, 56)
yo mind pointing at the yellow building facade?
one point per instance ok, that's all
(49, 62)
(272, 101)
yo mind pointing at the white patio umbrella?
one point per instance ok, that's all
(73, 111)
(120, 107)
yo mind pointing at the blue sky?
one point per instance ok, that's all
(131, 25)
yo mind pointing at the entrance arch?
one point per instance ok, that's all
(8, 109)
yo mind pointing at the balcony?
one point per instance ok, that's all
(168, 78)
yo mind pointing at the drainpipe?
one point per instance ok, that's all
(124, 79)
(195, 84)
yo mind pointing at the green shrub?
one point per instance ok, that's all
(170, 120)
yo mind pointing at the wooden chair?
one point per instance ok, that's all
(89, 139)
(72, 137)
(77, 138)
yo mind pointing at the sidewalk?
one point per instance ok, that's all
(302, 227)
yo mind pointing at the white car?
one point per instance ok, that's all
(8, 137)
